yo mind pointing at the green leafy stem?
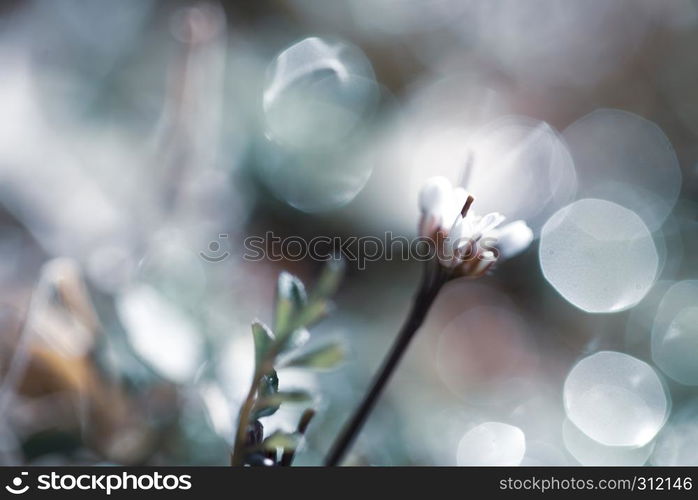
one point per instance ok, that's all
(280, 347)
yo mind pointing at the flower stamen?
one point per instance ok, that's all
(466, 206)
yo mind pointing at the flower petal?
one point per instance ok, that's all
(489, 222)
(513, 238)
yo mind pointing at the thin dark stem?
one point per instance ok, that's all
(429, 289)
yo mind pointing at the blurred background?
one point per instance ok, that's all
(138, 137)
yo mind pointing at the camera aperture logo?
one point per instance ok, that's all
(102, 482)
(16, 487)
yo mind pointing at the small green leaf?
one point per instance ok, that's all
(268, 388)
(328, 282)
(290, 300)
(321, 358)
(296, 396)
(263, 340)
(280, 439)
(313, 313)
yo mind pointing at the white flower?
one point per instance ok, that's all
(465, 241)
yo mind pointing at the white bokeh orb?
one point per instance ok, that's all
(598, 255)
(317, 182)
(544, 454)
(317, 92)
(492, 443)
(638, 327)
(521, 168)
(615, 399)
(589, 452)
(625, 158)
(677, 444)
(318, 104)
(675, 333)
